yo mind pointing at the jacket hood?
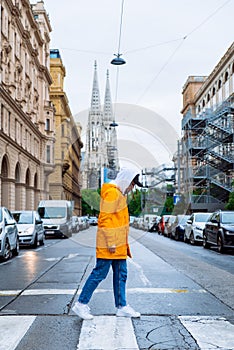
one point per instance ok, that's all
(124, 178)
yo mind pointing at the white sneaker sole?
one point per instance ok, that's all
(87, 317)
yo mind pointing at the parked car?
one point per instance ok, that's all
(153, 224)
(178, 227)
(83, 222)
(131, 220)
(140, 223)
(219, 231)
(86, 221)
(93, 220)
(75, 224)
(161, 224)
(195, 226)
(30, 227)
(135, 222)
(168, 225)
(9, 238)
(57, 217)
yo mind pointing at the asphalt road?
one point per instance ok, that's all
(183, 292)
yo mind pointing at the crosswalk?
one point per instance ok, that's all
(118, 333)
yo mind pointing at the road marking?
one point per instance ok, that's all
(154, 290)
(37, 292)
(48, 291)
(6, 293)
(210, 332)
(28, 292)
(141, 275)
(13, 329)
(107, 332)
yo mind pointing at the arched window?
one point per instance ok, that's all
(208, 97)
(17, 173)
(35, 181)
(5, 185)
(4, 170)
(219, 84)
(203, 103)
(213, 91)
(226, 77)
(27, 178)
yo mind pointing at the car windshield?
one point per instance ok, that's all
(183, 219)
(23, 218)
(203, 217)
(228, 218)
(52, 212)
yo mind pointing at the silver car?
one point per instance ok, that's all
(30, 227)
(9, 240)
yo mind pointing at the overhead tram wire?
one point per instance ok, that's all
(150, 46)
(160, 70)
(179, 46)
(118, 61)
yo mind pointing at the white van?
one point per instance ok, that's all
(57, 217)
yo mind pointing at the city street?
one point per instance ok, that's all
(185, 295)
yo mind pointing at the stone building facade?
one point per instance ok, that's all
(26, 112)
(205, 157)
(65, 181)
(34, 113)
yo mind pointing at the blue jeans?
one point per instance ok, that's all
(99, 273)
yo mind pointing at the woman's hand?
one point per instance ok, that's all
(112, 249)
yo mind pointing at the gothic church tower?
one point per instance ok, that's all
(101, 140)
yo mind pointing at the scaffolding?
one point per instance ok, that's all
(208, 157)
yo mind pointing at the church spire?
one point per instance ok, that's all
(107, 102)
(95, 100)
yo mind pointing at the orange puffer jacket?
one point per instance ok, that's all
(113, 224)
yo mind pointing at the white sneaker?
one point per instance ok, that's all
(82, 310)
(127, 311)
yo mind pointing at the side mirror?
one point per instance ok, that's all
(189, 221)
(38, 222)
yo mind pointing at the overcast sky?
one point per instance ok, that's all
(163, 42)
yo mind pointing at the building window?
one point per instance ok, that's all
(62, 130)
(48, 154)
(47, 124)
(226, 77)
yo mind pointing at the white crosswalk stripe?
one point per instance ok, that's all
(13, 329)
(210, 332)
(119, 334)
(116, 333)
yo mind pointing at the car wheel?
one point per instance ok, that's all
(191, 238)
(220, 244)
(35, 242)
(42, 241)
(15, 251)
(205, 244)
(7, 253)
(176, 236)
(185, 238)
